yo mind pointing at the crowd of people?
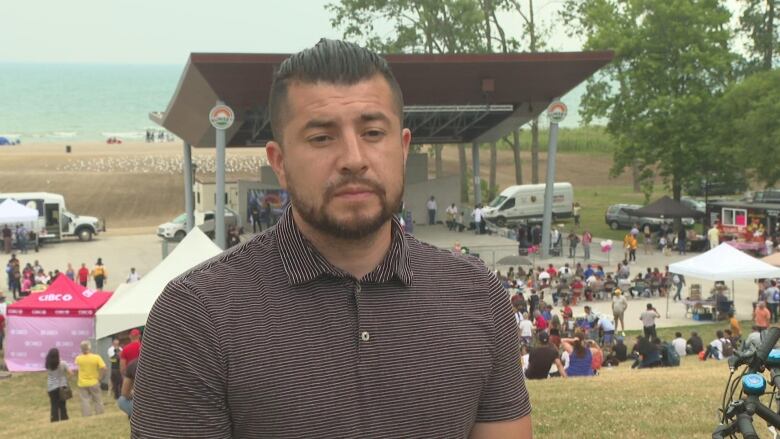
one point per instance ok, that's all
(555, 342)
(32, 276)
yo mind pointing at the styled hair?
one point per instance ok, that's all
(578, 345)
(329, 61)
(53, 359)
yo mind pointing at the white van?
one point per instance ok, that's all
(54, 220)
(525, 203)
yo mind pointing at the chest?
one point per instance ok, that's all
(363, 357)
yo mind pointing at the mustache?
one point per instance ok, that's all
(374, 186)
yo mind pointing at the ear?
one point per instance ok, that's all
(276, 159)
(406, 140)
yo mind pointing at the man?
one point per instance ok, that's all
(587, 238)
(452, 217)
(713, 236)
(222, 339)
(620, 349)
(679, 282)
(125, 400)
(431, 205)
(133, 276)
(694, 344)
(608, 329)
(679, 344)
(762, 316)
(2, 330)
(772, 299)
(478, 220)
(753, 340)
(541, 359)
(715, 348)
(593, 319)
(21, 238)
(255, 216)
(7, 238)
(619, 307)
(648, 321)
(83, 275)
(114, 359)
(681, 236)
(526, 327)
(131, 351)
(575, 211)
(91, 370)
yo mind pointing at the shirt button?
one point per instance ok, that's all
(357, 288)
(365, 336)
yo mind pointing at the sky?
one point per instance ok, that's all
(167, 31)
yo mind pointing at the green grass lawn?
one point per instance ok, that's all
(677, 402)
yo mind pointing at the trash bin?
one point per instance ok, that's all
(67, 149)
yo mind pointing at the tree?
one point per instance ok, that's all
(672, 61)
(759, 23)
(750, 130)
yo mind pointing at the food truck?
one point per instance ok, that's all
(744, 221)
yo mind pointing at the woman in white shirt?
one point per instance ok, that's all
(57, 377)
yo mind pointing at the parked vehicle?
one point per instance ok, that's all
(771, 196)
(717, 186)
(55, 222)
(525, 203)
(176, 229)
(617, 218)
(694, 204)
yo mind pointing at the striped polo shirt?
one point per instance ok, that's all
(271, 340)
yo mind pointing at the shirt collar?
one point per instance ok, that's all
(303, 263)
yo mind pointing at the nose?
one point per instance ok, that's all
(353, 159)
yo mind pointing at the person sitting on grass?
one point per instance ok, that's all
(695, 344)
(646, 354)
(679, 344)
(716, 347)
(580, 356)
(542, 358)
(753, 340)
(620, 349)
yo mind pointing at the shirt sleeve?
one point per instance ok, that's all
(504, 396)
(180, 386)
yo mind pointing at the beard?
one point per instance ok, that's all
(355, 222)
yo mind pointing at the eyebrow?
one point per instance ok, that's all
(330, 123)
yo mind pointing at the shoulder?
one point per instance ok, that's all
(443, 264)
(233, 266)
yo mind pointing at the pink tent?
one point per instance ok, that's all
(61, 317)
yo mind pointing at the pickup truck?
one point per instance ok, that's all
(175, 230)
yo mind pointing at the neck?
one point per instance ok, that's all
(356, 257)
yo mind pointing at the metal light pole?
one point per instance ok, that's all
(221, 118)
(556, 112)
(189, 202)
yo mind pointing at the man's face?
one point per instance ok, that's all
(343, 156)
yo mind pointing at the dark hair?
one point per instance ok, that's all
(53, 359)
(579, 347)
(678, 334)
(330, 61)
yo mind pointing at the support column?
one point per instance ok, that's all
(219, 211)
(189, 198)
(548, 190)
(475, 173)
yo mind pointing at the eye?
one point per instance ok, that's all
(374, 134)
(320, 139)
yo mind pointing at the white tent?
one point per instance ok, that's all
(724, 262)
(130, 305)
(13, 212)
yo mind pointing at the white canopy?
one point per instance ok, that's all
(130, 305)
(13, 212)
(724, 262)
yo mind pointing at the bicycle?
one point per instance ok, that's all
(737, 415)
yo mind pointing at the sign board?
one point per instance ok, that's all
(557, 112)
(221, 117)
